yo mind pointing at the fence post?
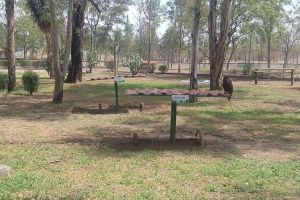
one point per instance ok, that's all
(256, 76)
(292, 77)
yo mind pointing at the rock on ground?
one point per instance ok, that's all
(4, 170)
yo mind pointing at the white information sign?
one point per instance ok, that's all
(180, 98)
(119, 79)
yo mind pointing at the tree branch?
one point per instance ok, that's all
(96, 6)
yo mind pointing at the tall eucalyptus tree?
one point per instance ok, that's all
(10, 17)
(218, 39)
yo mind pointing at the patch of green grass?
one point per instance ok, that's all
(276, 124)
(204, 102)
(146, 194)
(255, 176)
(266, 117)
(18, 183)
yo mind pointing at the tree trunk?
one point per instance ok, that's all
(269, 51)
(10, 17)
(195, 48)
(59, 80)
(180, 41)
(168, 61)
(212, 40)
(179, 50)
(217, 46)
(49, 54)
(68, 38)
(149, 39)
(261, 52)
(172, 59)
(286, 55)
(250, 50)
(75, 71)
(24, 52)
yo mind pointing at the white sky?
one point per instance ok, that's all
(133, 16)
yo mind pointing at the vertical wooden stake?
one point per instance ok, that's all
(173, 122)
(172, 116)
(256, 77)
(292, 77)
(117, 96)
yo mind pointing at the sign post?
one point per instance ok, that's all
(176, 99)
(116, 78)
(173, 121)
(117, 96)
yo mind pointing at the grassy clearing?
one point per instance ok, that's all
(250, 153)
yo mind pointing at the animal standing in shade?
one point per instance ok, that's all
(228, 88)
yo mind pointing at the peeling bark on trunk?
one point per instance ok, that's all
(10, 16)
(75, 71)
(195, 51)
(218, 42)
(59, 80)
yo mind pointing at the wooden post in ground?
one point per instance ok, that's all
(116, 59)
(256, 77)
(117, 96)
(173, 122)
(292, 77)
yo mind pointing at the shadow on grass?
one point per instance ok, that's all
(34, 108)
(255, 125)
(40, 107)
(215, 146)
(119, 138)
(91, 111)
(164, 144)
(288, 103)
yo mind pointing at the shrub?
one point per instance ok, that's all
(30, 82)
(134, 64)
(145, 68)
(247, 68)
(163, 69)
(3, 81)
